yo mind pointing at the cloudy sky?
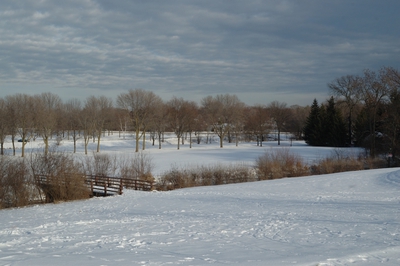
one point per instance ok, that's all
(259, 50)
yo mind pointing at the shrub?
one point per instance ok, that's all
(332, 165)
(339, 161)
(374, 163)
(99, 165)
(63, 178)
(204, 176)
(280, 163)
(16, 186)
(174, 179)
(138, 167)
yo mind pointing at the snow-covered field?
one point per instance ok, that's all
(340, 219)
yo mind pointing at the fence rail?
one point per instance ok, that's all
(104, 185)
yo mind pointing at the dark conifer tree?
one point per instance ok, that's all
(312, 129)
(334, 128)
(325, 126)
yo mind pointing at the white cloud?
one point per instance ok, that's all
(193, 47)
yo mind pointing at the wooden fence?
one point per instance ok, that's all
(104, 185)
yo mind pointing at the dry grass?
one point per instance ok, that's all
(15, 183)
(64, 178)
(340, 161)
(280, 163)
(334, 165)
(205, 176)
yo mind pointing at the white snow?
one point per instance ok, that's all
(339, 219)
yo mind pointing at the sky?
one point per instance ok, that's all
(261, 51)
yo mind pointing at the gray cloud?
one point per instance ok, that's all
(260, 50)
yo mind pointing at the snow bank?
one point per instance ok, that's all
(339, 219)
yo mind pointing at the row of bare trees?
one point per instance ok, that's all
(371, 104)
(27, 117)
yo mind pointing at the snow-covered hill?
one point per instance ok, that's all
(340, 219)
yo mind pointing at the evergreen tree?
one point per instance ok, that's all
(312, 129)
(334, 127)
(325, 126)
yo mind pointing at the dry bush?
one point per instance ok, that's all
(217, 175)
(16, 185)
(375, 163)
(242, 173)
(64, 179)
(99, 165)
(280, 163)
(339, 161)
(138, 167)
(173, 179)
(334, 165)
(205, 176)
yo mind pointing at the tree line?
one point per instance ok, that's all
(363, 111)
(26, 117)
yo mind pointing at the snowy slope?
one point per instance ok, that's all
(341, 219)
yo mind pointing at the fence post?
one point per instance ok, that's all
(91, 186)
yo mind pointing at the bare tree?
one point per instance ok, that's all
(221, 113)
(280, 114)
(100, 109)
(258, 122)
(375, 92)
(348, 89)
(392, 77)
(123, 120)
(73, 109)
(87, 121)
(47, 107)
(192, 120)
(238, 121)
(298, 120)
(159, 122)
(139, 104)
(179, 116)
(199, 125)
(11, 118)
(3, 124)
(22, 106)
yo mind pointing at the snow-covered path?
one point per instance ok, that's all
(341, 219)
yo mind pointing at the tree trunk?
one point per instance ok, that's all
(98, 141)
(137, 137)
(74, 144)
(144, 140)
(279, 136)
(23, 148)
(13, 143)
(86, 144)
(46, 145)
(237, 139)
